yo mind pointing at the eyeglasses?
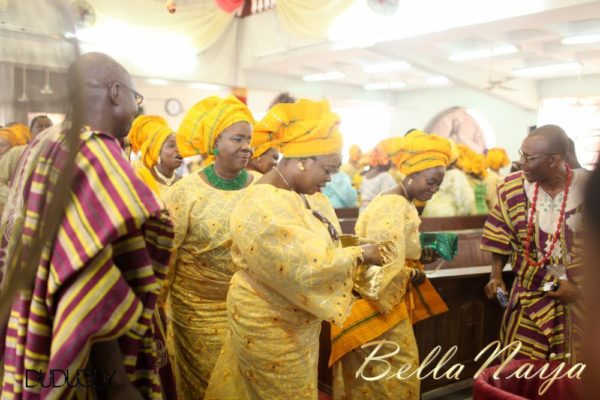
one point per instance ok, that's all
(138, 97)
(330, 228)
(530, 158)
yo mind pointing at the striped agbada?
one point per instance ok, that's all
(546, 327)
(97, 280)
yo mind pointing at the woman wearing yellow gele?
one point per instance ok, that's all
(293, 271)
(495, 159)
(389, 304)
(157, 143)
(200, 205)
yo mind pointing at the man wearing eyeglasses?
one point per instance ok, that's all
(80, 325)
(536, 225)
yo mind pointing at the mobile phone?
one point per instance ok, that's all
(502, 297)
(551, 286)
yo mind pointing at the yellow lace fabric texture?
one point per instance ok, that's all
(199, 280)
(292, 276)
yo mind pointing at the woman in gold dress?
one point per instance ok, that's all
(200, 205)
(390, 306)
(293, 271)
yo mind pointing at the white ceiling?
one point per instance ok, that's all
(537, 36)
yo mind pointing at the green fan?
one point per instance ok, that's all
(444, 243)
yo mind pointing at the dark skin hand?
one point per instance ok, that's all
(107, 356)
(496, 281)
(428, 256)
(371, 254)
(568, 292)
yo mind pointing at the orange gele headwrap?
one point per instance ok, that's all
(303, 129)
(205, 121)
(378, 157)
(471, 162)
(417, 151)
(9, 135)
(496, 158)
(22, 133)
(355, 153)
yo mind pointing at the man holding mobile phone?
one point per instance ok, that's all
(536, 225)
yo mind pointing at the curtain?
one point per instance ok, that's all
(310, 18)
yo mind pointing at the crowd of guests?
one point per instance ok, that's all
(215, 284)
(469, 187)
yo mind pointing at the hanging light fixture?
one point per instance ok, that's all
(24, 97)
(47, 89)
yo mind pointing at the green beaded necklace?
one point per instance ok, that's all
(225, 184)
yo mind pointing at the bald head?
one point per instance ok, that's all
(553, 138)
(95, 69)
(103, 91)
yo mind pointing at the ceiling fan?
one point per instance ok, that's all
(493, 84)
(498, 83)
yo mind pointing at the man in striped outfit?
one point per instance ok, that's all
(80, 325)
(536, 225)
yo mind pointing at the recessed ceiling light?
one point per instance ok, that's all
(386, 67)
(158, 82)
(437, 80)
(582, 39)
(326, 76)
(210, 87)
(547, 69)
(385, 85)
(484, 53)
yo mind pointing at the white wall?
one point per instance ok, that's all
(414, 109)
(155, 97)
(587, 85)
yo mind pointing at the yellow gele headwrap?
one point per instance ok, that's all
(417, 151)
(496, 158)
(453, 151)
(303, 129)
(205, 121)
(260, 150)
(471, 162)
(142, 126)
(355, 153)
(22, 133)
(9, 135)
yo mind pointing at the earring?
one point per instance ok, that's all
(216, 151)
(301, 166)
(410, 181)
(159, 160)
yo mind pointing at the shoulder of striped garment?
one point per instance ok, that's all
(103, 162)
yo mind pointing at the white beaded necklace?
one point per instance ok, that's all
(167, 181)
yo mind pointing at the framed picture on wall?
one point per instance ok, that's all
(456, 123)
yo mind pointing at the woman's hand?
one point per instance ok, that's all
(417, 277)
(371, 254)
(428, 256)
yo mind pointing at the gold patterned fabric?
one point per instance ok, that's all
(199, 280)
(303, 129)
(386, 218)
(292, 276)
